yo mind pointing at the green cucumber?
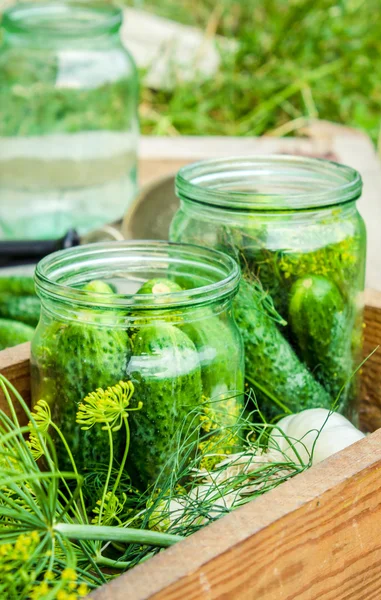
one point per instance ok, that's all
(222, 373)
(320, 322)
(13, 333)
(281, 381)
(98, 287)
(25, 309)
(159, 286)
(17, 285)
(161, 289)
(166, 372)
(70, 361)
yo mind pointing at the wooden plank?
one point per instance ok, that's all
(370, 408)
(316, 536)
(14, 365)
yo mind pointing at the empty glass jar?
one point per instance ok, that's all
(68, 119)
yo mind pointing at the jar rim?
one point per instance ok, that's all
(99, 258)
(48, 18)
(269, 182)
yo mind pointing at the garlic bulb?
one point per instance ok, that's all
(331, 431)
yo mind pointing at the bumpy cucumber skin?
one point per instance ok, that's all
(271, 362)
(13, 333)
(219, 352)
(17, 286)
(25, 309)
(320, 323)
(222, 373)
(166, 373)
(69, 362)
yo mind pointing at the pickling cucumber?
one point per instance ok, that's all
(98, 286)
(320, 321)
(159, 286)
(20, 285)
(13, 333)
(281, 381)
(70, 361)
(222, 372)
(166, 373)
(25, 309)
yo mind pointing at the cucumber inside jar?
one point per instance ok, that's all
(285, 220)
(154, 339)
(69, 361)
(321, 318)
(219, 394)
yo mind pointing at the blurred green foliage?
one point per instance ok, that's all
(296, 59)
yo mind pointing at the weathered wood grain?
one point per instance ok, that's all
(14, 365)
(370, 407)
(316, 537)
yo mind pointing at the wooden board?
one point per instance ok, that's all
(162, 156)
(15, 366)
(315, 537)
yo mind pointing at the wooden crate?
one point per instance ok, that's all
(315, 537)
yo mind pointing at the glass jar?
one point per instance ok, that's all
(68, 119)
(292, 224)
(176, 340)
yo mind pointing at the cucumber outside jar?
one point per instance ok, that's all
(293, 226)
(156, 314)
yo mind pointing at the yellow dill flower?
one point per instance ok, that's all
(34, 445)
(42, 416)
(82, 590)
(65, 587)
(63, 595)
(113, 506)
(49, 576)
(110, 406)
(39, 591)
(69, 574)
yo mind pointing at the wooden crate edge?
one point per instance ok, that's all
(208, 562)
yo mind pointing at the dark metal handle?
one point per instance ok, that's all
(22, 252)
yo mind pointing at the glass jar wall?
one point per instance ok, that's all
(156, 314)
(68, 119)
(293, 226)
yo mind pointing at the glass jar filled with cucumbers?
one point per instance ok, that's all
(293, 226)
(151, 315)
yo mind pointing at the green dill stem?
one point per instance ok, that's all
(118, 564)
(275, 400)
(114, 564)
(108, 473)
(117, 534)
(63, 440)
(124, 455)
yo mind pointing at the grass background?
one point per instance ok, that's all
(296, 59)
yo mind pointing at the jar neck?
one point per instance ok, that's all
(207, 281)
(268, 183)
(242, 216)
(63, 311)
(61, 25)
